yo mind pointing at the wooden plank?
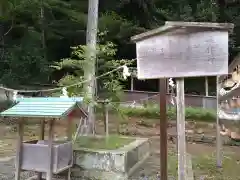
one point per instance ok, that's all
(200, 54)
(171, 25)
(42, 134)
(218, 140)
(181, 129)
(19, 150)
(222, 26)
(50, 150)
(151, 33)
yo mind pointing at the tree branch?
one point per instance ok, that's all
(8, 31)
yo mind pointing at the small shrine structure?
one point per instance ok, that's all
(46, 157)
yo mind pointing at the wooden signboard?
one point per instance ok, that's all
(178, 50)
(184, 52)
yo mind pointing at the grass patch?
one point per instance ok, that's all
(172, 163)
(110, 143)
(204, 166)
(153, 112)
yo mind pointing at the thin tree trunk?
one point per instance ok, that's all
(91, 40)
(1, 33)
(43, 33)
(42, 26)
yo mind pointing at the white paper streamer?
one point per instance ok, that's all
(15, 95)
(126, 72)
(64, 92)
(171, 83)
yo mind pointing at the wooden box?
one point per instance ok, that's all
(36, 156)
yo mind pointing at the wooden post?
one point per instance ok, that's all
(182, 162)
(42, 134)
(19, 150)
(79, 128)
(219, 142)
(206, 86)
(42, 130)
(69, 129)
(50, 150)
(69, 138)
(132, 83)
(168, 88)
(163, 129)
(106, 118)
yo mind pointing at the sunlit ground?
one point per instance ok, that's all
(203, 155)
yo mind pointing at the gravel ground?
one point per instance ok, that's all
(150, 169)
(7, 170)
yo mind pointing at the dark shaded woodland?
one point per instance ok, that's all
(35, 34)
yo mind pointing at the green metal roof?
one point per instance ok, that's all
(42, 107)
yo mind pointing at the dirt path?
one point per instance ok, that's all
(132, 127)
(150, 169)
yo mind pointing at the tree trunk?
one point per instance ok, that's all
(43, 33)
(91, 40)
(221, 6)
(1, 34)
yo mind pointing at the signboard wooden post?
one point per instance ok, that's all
(179, 50)
(163, 127)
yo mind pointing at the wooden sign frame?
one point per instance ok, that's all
(181, 49)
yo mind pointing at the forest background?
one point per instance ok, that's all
(34, 34)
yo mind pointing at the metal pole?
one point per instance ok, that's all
(163, 129)
(182, 162)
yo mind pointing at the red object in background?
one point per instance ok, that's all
(70, 116)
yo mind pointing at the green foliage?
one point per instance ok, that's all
(64, 24)
(108, 86)
(153, 112)
(33, 67)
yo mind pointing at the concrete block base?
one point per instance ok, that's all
(116, 164)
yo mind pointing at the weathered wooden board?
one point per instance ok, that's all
(183, 54)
